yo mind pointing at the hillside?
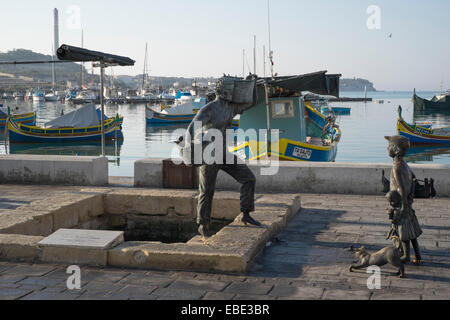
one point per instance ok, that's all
(30, 75)
(64, 71)
(356, 84)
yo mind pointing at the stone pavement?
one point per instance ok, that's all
(308, 260)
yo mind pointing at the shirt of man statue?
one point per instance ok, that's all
(219, 115)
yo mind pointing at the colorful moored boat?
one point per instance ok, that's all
(80, 125)
(339, 111)
(437, 103)
(182, 113)
(304, 133)
(422, 135)
(24, 133)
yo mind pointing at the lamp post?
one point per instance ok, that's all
(102, 61)
(102, 66)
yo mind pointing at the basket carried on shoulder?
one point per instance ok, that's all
(236, 90)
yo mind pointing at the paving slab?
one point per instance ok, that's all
(85, 239)
(13, 294)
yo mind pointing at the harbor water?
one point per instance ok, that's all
(362, 139)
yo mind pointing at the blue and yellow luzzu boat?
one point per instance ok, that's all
(304, 133)
(31, 134)
(157, 118)
(178, 114)
(154, 117)
(422, 135)
(25, 118)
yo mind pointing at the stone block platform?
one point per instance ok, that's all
(307, 260)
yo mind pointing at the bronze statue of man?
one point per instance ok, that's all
(402, 186)
(219, 115)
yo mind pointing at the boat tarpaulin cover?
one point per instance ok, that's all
(86, 116)
(318, 83)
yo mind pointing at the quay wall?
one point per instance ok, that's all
(305, 177)
(58, 170)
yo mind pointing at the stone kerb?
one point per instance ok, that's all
(60, 170)
(305, 177)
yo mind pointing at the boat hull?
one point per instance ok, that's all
(340, 111)
(154, 117)
(19, 133)
(287, 150)
(158, 118)
(420, 135)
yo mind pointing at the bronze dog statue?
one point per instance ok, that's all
(391, 254)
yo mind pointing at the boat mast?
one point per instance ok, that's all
(53, 70)
(145, 67)
(82, 64)
(55, 43)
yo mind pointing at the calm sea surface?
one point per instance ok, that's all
(362, 139)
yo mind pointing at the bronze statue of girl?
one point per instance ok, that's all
(401, 197)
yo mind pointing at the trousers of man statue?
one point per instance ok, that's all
(207, 185)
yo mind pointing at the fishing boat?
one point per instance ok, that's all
(321, 104)
(18, 95)
(183, 97)
(439, 102)
(182, 113)
(166, 96)
(24, 118)
(132, 96)
(422, 134)
(51, 97)
(78, 126)
(339, 111)
(305, 134)
(38, 96)
(7, 96)
(85, 97)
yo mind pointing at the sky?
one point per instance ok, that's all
(202, 38)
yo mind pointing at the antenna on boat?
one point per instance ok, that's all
(264, 60)
(243, 63)
(270, 43)
(254, 54)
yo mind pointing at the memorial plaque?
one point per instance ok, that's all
(84, 239)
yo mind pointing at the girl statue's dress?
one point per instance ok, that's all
(402, 181)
